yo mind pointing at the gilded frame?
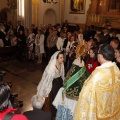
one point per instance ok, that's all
(77, 6)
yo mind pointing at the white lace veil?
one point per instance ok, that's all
(45, 85)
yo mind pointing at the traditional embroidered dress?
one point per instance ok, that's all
(66, 98)
(74, 80)
(99, 98)
(47, 83)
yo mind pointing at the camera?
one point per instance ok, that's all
(15, 102)
(2, 73)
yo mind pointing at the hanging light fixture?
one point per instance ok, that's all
(51, 1)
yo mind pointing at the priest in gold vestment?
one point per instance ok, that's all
(99, 98)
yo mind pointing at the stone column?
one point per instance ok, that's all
(20, 11)
(27, 13)
(35, 12)
(62, 8)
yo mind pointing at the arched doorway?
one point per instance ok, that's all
(4, 14)
(49, 17)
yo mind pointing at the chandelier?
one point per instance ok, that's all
(51, 1)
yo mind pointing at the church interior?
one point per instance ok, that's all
(25, 75)
(40, 12)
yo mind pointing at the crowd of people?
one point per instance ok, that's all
(82, 78)
(36, 42)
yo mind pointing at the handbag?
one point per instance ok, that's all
(8, 116)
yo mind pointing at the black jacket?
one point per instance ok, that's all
(37, 114)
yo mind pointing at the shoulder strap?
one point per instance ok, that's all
(8, 116)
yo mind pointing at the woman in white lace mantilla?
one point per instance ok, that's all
(51, 81)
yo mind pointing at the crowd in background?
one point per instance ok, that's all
(36, 42)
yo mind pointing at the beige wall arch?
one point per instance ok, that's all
(49, 17)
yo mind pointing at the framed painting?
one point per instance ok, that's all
(77, 6)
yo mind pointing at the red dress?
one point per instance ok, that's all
(91, 65)
(15, 117)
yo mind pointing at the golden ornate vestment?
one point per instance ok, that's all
(99, 98)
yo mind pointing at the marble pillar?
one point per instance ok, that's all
(35, 12)
(62, 8)
(27, 13)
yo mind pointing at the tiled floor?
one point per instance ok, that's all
(25, 77)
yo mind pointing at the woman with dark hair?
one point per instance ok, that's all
(4, 93)
(91, 61)
(4, 101)
(51, 82)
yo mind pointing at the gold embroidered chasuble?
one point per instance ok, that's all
(99, 98)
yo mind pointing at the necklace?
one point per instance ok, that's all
(58, 68)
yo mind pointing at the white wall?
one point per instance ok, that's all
(44, 7)
(75, 18)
